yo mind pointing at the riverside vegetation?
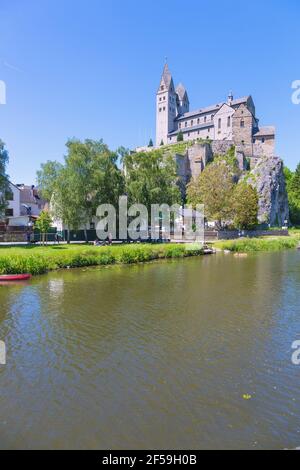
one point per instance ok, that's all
(39, 260)
(246, 245)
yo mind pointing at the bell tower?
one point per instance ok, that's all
(165, 107)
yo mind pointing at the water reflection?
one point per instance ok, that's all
(155, 356)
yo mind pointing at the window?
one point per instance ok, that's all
(192, 122)
(205, 118)
(242, 123)
(9, 212)
(162, 87)
(228, 121)
(9, 195)
(208, 130)
(219, 123)
(164, 108)
(198, 121)
(160, 99)
(164, 98)
(243, 142)
(188, 134)
(185, 124)
(160, 110)
(180, 125)
(263, 140)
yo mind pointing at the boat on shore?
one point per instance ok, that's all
(14, 277)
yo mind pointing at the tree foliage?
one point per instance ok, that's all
(151, 178)
(4, 184)
(180, 136)
(213, 188)
(43, 224)
(89, 177)
(293, 189)
(47, 178)
(245, 206)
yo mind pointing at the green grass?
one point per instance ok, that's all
(39, 260)
(295, 233)
(246, 245)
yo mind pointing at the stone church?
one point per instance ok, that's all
(233, 122)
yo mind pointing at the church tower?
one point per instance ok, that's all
(183, 104)
(165, 107)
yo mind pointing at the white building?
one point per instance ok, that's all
(13, 199)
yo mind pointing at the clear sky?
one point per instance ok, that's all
(90, 69)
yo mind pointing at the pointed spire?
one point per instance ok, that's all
(181, 91)
(166, 76)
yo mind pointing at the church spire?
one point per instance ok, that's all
(166, 78)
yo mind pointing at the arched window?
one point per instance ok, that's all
(228, 121)
(242, 123)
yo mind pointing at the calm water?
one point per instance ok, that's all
(154, 356)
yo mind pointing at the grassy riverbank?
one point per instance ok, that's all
(246, 245)
(38, 260)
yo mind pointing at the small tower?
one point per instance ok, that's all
(165, 107)
(230, 98)
(183, 104)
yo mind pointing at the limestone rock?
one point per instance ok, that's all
(268, 178)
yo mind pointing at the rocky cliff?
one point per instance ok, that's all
(268, 178)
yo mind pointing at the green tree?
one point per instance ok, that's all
(180, 136)
(94, 176)
(89, 177)
(245, 206)
(213, 188)
(292, 186)
(47, 178)
(151, 178)
(4, 184)
(64, 206)
(150, 143)
(43, 224)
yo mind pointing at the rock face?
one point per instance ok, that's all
(268, 178)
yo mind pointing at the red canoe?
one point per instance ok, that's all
(15, 277)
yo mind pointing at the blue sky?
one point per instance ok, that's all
(90, 69)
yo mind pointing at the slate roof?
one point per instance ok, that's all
(264, 131)
(193, 128)
(212, 108)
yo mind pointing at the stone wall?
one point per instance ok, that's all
(221, 147)
(242, 129)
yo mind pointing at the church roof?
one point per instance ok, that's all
(212, 108)
(181, 91)
(193, 128)
(264, 131)
(166, 76)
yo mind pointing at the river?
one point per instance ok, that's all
(183, 354)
